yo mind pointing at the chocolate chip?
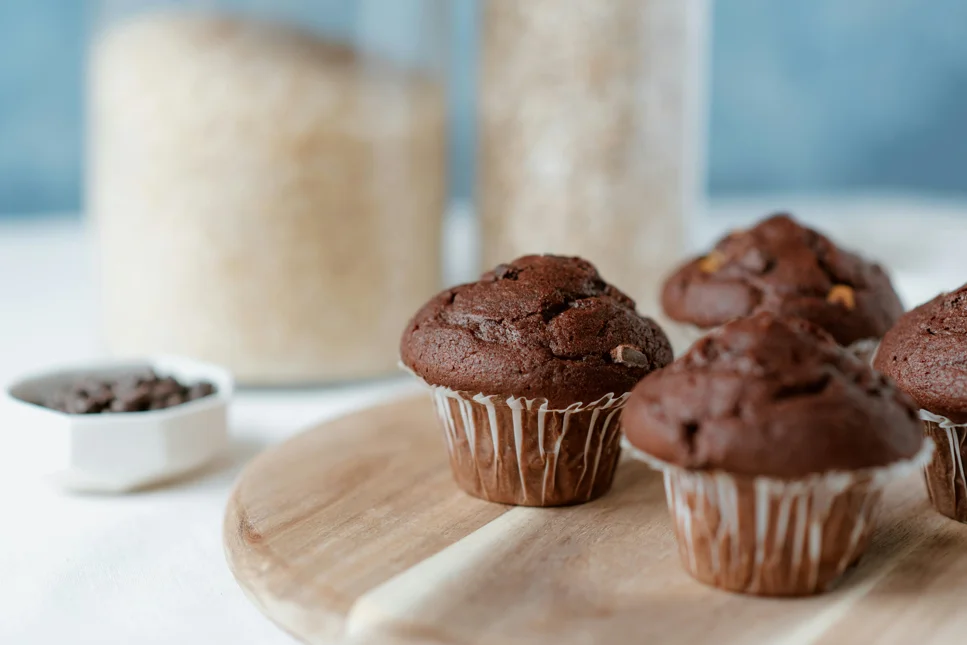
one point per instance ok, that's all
(81, 405)
(124, 405)
(142, 393)
(200, 390)
(629, 355)
(101, 396)
(166, 387)
(174, 399)
(133, 392)
(133, 400)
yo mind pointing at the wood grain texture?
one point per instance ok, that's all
(323, 518)
(354, 533)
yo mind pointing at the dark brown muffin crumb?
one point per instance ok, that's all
(788, 269)
(926, 353)
(771, 396)
(539, 327)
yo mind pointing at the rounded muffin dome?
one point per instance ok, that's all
(926, 353)
(785, 268)
(542, 326)
(771, 396)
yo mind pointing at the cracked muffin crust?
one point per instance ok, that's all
(773, 396)
(926, 353)
(541, 326)
(788, 269)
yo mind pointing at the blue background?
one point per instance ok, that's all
(806, 96)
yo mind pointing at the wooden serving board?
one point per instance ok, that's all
(353, 532)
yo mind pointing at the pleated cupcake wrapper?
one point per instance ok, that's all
(945, 477)
(521, 451)
(769, 536)
(865, 349)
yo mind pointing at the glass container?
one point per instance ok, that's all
(267, 180)
(591, 127)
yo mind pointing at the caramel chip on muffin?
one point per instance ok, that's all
(842, 294)
(711, 262)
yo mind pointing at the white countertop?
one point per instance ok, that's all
(148, 568)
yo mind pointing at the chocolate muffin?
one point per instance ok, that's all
(926, 353)
(785, 268)
(530, 367)
(775, 443)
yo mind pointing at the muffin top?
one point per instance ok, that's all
(926, 353)
(786, 268)
(542, 326)
(772, 396)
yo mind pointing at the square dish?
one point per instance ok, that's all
(122, 451)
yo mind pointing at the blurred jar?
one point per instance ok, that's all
(268, 196)
(590, 128)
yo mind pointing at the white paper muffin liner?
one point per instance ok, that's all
(521, 451)
(866, 349)
(944, 476)
(769, 536)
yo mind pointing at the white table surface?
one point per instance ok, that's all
(148, 568)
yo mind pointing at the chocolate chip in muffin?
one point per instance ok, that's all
(629, 355)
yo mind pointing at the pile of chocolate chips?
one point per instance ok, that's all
(135, 392)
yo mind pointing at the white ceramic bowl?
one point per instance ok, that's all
(117, 452)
